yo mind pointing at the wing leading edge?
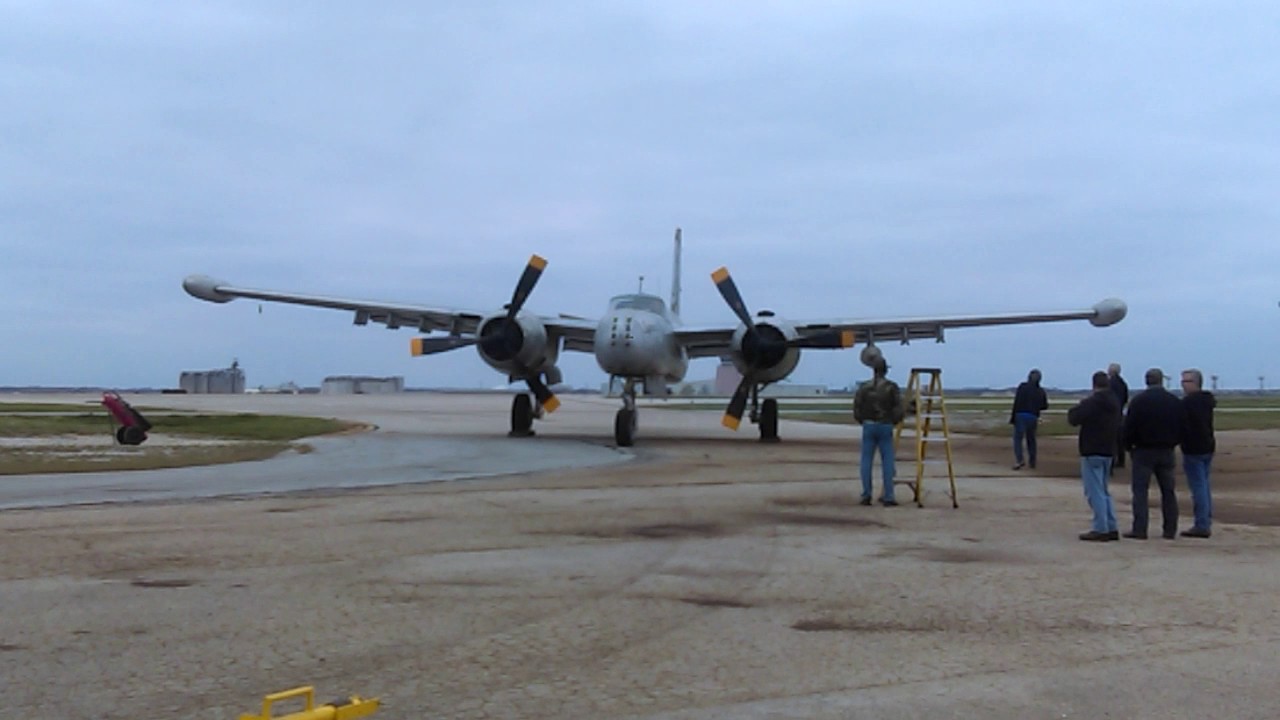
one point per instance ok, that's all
(715, 341)
(577, 332)
(704, 341)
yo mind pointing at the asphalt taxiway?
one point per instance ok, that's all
(396, 450)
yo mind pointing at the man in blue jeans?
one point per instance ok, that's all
(1198, 446)
(877, 406)
(1028, 401)
(1098, 417)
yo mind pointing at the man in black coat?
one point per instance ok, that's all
(1028, 401)
(1120, 389)
(1152, 430)
(1198, 445)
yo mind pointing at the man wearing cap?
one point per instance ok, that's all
(1152, 429)
(877, 406)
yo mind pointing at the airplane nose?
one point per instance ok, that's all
(622, 346)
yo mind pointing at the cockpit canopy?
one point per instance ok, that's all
(647, 303)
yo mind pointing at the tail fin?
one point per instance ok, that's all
(675, 279)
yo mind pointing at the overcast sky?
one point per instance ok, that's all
(850, 159)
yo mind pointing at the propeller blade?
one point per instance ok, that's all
(546, 398)
(431, 346)
(829, 339)
(737, 405)
(729, 291)
(528, 279)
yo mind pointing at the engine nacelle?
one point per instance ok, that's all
(764, 354)
(516, 347)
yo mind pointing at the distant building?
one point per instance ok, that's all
(288, 388)
(694, 388)
(791, 390)
(226, 381)
(728, 377)
(361, 385)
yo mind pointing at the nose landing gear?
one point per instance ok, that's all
(624, 424)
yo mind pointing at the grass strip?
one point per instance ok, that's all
(32, 460)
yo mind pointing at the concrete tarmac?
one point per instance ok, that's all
(710, 577)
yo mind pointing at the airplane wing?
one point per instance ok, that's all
(577, 332)
(715, 341)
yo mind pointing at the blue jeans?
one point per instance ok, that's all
(1197, 469)
(1094, 471)
(877, 436)
(1024, 425)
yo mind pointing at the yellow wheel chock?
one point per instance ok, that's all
(353, 707)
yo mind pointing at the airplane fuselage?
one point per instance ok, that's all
(636, 339)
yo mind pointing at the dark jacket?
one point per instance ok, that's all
(878, 400)
(1154, 420)
(1030, 398)
(1121, 390)
(1098, 417)
(1197, 423)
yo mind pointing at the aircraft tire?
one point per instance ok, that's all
(132, 435)
(521, 415)
(624, 428)
(769, 420)
(120, 435)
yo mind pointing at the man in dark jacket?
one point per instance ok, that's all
(1121, 390)
(1028, 401)
(1152, 429)
(877, 406)
(1098, 417)
(1198, 446)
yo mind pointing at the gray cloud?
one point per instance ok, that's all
(842, 159)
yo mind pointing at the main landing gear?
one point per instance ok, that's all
(767, 419)
(764, 414)
(624, 424)
(523, 411)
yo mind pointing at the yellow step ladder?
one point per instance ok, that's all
(930, 416)
(345, 709)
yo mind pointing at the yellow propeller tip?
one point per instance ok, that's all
(846, 338)
(551, 403)
(731, 422)
(538, 262)
(720, 275)
(415, 347)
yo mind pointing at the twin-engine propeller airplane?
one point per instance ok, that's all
(640, 340)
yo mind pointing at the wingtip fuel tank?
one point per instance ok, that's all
(1108, 312)
(205, 288)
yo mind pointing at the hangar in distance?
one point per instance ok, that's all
(640, 340)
